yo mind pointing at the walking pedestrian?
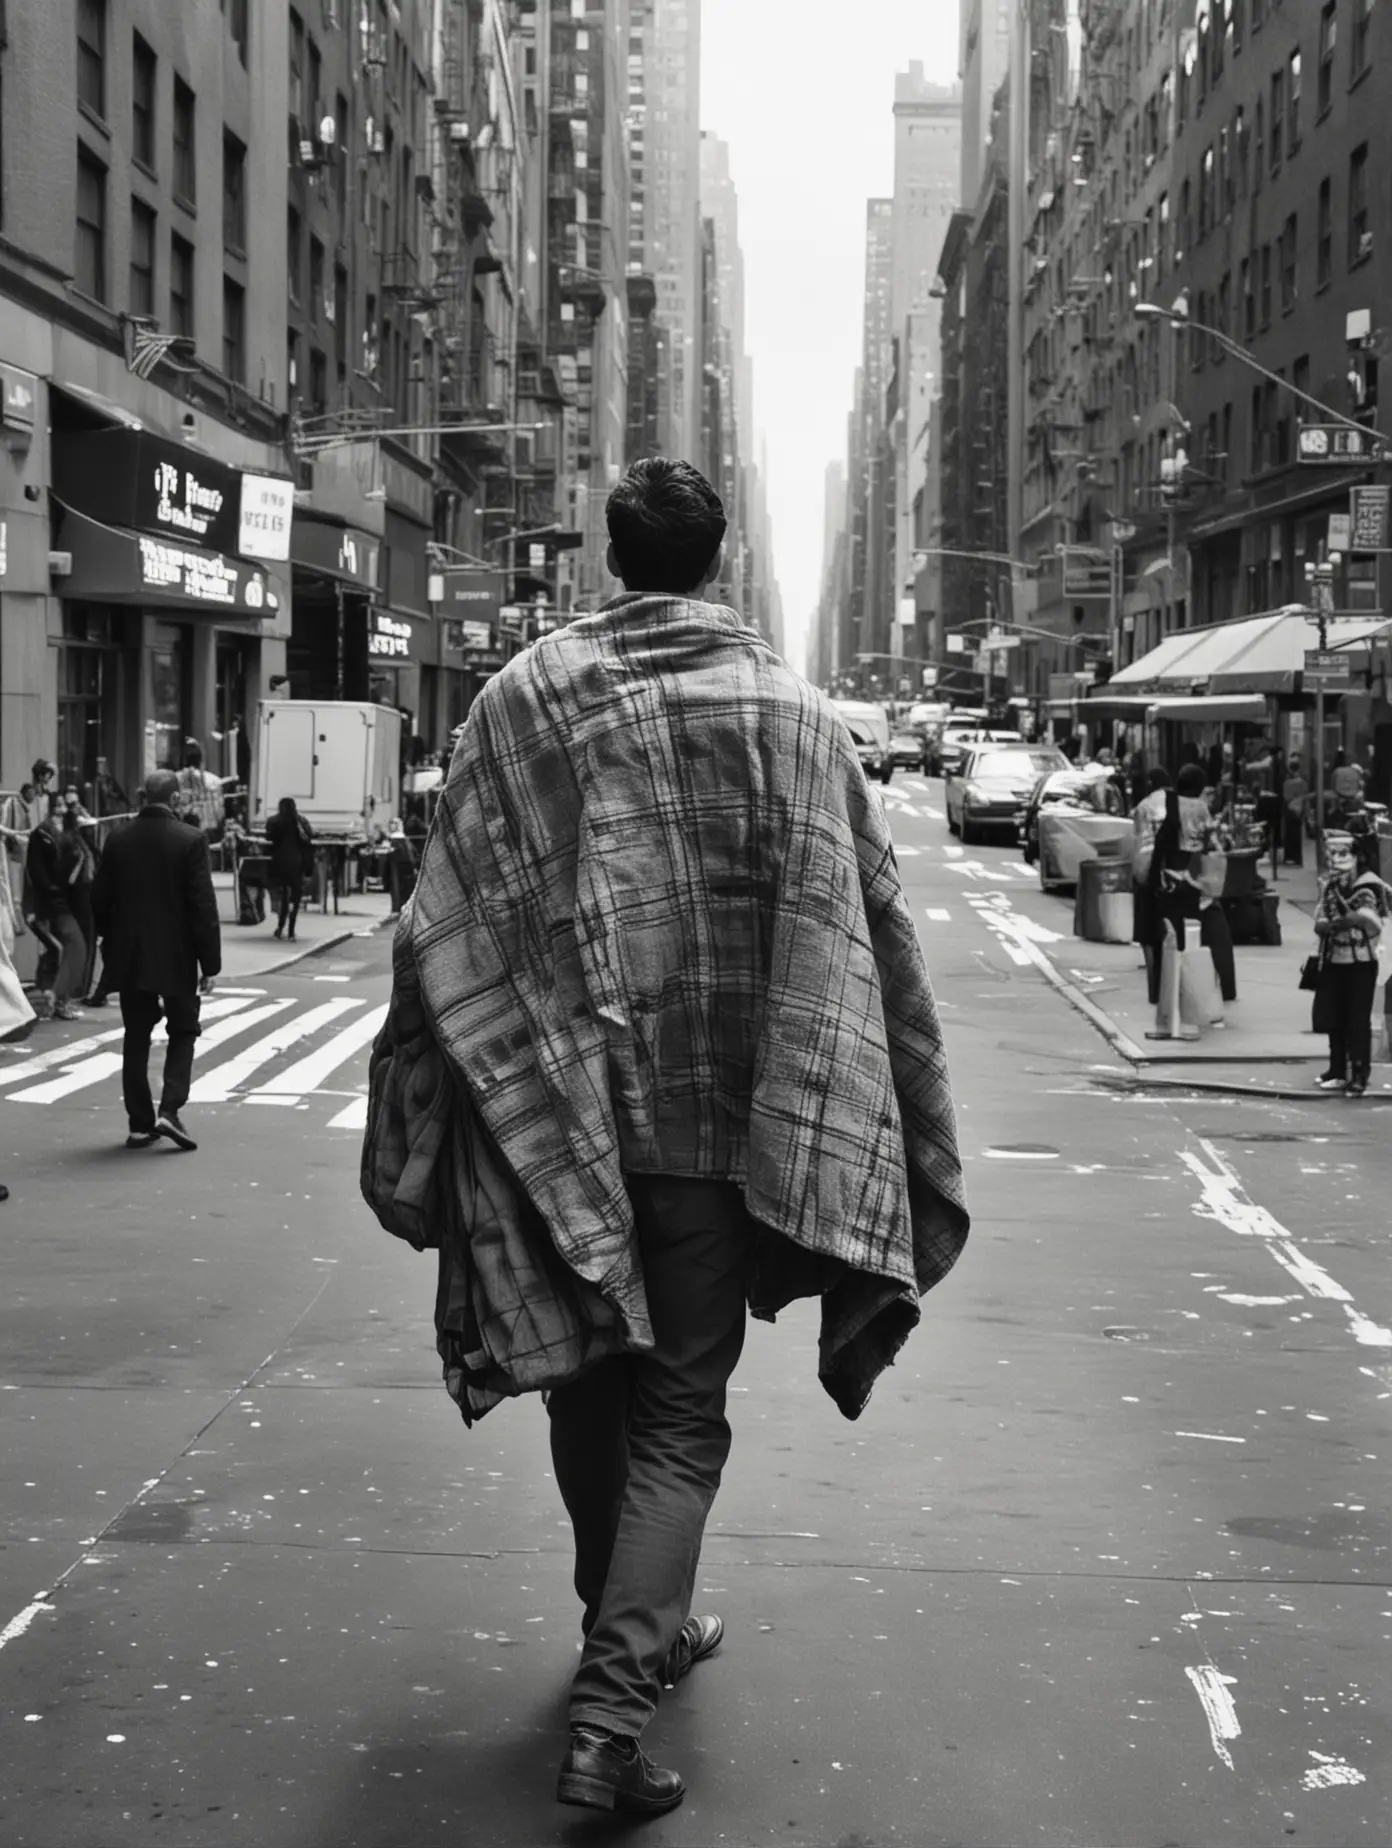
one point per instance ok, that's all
(291, 839)
(693, 1064)
(1295, 799)
(54, 866)
(1186, 828)
(1145, 825)
(1348, 922)
(199, 802)
(155, 908)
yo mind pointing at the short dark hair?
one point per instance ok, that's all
(1159, 778)
(666, 523)
(1192, 781)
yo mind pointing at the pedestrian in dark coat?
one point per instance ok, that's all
(291, 839)
(156, 911)
(55, 866)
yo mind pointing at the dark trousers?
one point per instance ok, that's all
(140, 1012)
(1215, 933)
(289, 905)
(1293, 839)
(1351, 990)
(639, 1443)
(63, 961)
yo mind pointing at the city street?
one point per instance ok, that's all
(1105, 1561)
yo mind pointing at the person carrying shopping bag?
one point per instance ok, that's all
(1177, 900)
(1352, 909)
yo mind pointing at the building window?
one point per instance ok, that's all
(297, 61)
(142, 259)
(233, 193)
(1266, 285)
(316, 278)
(180, 286)
(239, 27)
(89, 270)
(185, 157)
(1256, 459)
(294, 253)
(1278, 114)
(318, 383)
(1288, 248)
(1324, 243)
(1293, 103)
(1359, 230)
(1259, 148)
(234, 330)
(292, 360)
(1362, 32)
(1328, 33)
(1249, 300)
(143, 68)
(91, 55)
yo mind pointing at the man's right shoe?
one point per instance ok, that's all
(170, 1126)
(1330, 1081)
(141, 1139)
(608, 1771)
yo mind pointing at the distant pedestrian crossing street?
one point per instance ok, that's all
(252, 1050)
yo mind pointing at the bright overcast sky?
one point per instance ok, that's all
(803, 91)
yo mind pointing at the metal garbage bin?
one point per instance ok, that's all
(1102, 907)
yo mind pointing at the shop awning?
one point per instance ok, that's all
(110, 565)
(1258, 654)
(1162, 663)
(1108, 705)
(1236, 709)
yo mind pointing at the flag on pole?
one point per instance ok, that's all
(146, 346)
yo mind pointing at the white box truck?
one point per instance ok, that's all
(339, 759)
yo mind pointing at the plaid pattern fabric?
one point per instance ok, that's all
(1366, 893)
(659, 928)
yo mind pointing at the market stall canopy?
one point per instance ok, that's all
(1256, 655)
(1212, 709)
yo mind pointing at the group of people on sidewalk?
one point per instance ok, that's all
(47, 874)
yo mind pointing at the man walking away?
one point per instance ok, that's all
(156, 911)
(661, 942)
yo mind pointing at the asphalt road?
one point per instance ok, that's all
(1105, 1561)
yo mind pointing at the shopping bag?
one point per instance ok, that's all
(1209, 872)
(1310, 972)
(1200, 1004)
(1322, 1012)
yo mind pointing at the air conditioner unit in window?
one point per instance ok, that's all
(1365, 245)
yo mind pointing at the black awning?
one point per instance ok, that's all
(110, 565)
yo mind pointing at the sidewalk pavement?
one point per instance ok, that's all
(1267, 1045)
(252, 949)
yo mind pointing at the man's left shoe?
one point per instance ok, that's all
(64, 1010)
(141, 1139)
(170, 1126)
(698, 1638)
(608, 1771)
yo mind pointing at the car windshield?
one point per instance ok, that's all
(859, 731)
(1008, 766)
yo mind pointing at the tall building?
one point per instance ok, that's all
(664, 221)
(984, 59)
(927, 177)
(871, 538)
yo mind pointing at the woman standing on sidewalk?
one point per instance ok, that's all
(1295, 798)
(1348, 923)
(291, 839)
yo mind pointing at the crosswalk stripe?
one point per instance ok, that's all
(309, 1073)
(223, 1081)
(213, 1009)
(938, 916)
(354, 1116)
(107, 1064)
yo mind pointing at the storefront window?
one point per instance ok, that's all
(229, 751)
(89, 681)
(170, 694)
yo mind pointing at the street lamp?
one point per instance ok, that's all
(1178, 317)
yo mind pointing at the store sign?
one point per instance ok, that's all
(389, 636)
(185, 501)
(268, 507)
(1332, 670)
(18, 398)
(332, 551)
(1368, 509)
(1336, 445)
(1087, 571)
(466, 636)
(472, 595)
(199, 577)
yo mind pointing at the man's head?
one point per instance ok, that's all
(193, 754)
(666, 524)
(1159, 778)
(161, 787)
(43, 773)
(1192, 781)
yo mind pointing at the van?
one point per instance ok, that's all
(869, 728)
(339, 759)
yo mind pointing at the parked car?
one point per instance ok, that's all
(1093, 790)
(908, 750)
(927, 718)
(958, 740)
(994, 783)
(868, 725)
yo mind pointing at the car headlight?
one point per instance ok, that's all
(974, 797)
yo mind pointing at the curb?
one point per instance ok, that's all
(1216, 1087)
(312, 949)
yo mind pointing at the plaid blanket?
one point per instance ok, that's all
(659, 928)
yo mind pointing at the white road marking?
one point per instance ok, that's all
(901, 851)
(218, 1005)
(1211, 1686)
(1327, 1771)
(309, 1073)
(938, 915)
(1212, 1437)
(18, 1625)
(353, 1117)
(108, 1064)
(222, 1081)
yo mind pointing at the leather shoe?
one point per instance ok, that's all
(608, 1771)
(698, 1638)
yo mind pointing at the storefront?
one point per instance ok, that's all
(469, 603)
(336, 571)
(403, 660)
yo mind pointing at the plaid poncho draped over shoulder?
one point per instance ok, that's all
(659, 928)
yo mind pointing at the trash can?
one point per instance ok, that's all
(1102, 907)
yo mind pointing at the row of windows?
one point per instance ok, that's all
(1219, 38)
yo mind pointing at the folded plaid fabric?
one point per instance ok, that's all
(658, 928)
